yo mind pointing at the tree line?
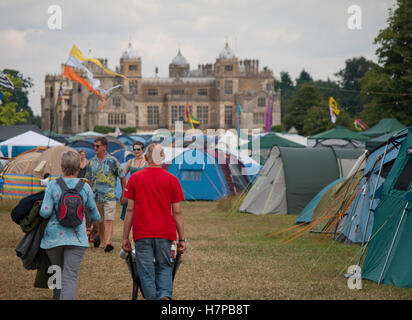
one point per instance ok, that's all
(363, 89)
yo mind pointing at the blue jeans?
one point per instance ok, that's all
(154, 267)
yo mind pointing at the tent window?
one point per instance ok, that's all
(404, 178)
(189, 175)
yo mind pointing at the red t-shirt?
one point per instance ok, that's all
(153, 191)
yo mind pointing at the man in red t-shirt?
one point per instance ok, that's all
(154, 212)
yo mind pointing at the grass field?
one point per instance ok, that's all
(230, 255)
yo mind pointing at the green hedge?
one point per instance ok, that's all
(106, 130)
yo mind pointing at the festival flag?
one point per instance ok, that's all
(189, 118)
(1, 97)
(333, 109)
(360, 125)
(59, 98)
(5, 81)
(69, 73)
(239, 111)
(76, 60)
(77, 54)
(269, 111)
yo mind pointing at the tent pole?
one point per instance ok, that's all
(393, 242)
(363, 246)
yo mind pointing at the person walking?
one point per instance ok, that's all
(154, 212)
(83, 163)
(133, 165)
(65, 246)
(102, 173)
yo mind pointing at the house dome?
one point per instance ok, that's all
(227, 53)
(130, 53)
(179, 59)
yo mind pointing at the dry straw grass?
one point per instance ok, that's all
(230, 256)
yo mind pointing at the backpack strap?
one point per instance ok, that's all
(62, 185)
(79, 185)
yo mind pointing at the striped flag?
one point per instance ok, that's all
(5, 81)
(189, 118)
(59, 98)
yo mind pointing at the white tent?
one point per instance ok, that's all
(89, 133)
(29, 139)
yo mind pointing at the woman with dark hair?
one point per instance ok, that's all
(133, 165)
(83, 163)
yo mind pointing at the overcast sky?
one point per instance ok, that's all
(285, 35)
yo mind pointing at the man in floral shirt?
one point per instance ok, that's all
(102, 172)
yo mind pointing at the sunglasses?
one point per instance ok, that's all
(97, 145)
(137, 149)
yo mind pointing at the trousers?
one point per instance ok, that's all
(154, 267)
(68, 258)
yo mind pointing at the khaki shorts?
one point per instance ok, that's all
(107, 210)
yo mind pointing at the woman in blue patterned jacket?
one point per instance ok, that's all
(65, 246)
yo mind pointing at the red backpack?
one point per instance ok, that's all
(70, 208)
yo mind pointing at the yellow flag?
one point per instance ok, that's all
(334, 106)
(75, 52)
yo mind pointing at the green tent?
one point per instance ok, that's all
(383, 127)
(266, 144)
(291, 177)
(388, 258)
(372, 144)
(336, 136)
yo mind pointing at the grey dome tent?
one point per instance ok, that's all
(291, 177)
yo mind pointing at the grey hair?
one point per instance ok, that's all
(70, 163)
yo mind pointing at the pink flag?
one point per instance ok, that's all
(269, 110)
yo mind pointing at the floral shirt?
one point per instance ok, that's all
(103, 177)
(57, 235)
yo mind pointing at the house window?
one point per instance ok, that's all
(116, 119)
(202, 92)
(116, 101)
(203, 114)
(79, 119)
(137, 116)
(67, 119)
(178, 92)
(152, 92)
(133, 86)
(132, 67)
(261, 102)
(258, 117)
(178, 113)
(153, 115)
(228, 115)
(229, 68)
(228, 86)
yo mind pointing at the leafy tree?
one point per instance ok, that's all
(318, 120)
(387, 88)
(286, 90)
(20, 96)
(304, 77)
(305, 98)
(349, 80)
(9, 109)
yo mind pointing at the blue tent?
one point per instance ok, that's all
(307, 213)
(200, 176)
(356, 221)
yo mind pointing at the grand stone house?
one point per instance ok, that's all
(212, 91)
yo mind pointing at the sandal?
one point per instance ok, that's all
(108, 248)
